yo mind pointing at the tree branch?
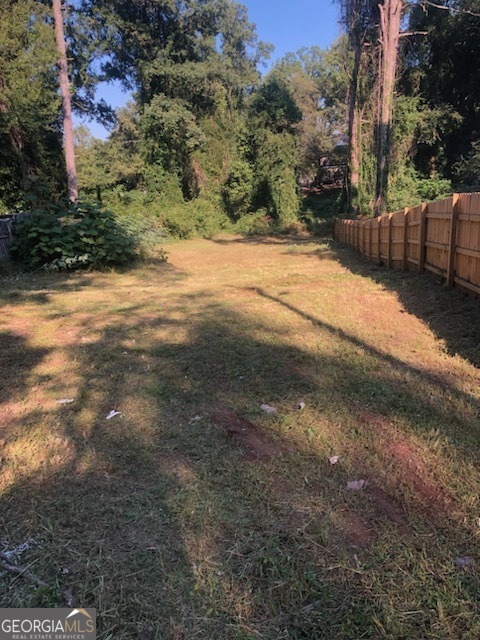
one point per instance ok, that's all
(404, 34)
(18, 570)
(429, 3)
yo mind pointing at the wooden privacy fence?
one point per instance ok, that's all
(5, 238)
(442, 237)
(6, 232)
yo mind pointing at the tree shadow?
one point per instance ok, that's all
(17, 360)
(156, 506)
(280, 239)
(38, 287)
(450, 314)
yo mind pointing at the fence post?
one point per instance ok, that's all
(406, 211)
(379, 248)
(370, 238)
(423, 237)
(452, 243)
(389, 252)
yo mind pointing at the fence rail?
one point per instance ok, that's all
(442, 237)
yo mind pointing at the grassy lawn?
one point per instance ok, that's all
(180, 520)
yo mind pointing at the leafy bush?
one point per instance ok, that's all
(467, 169)
(238, 189)
(66, 236)
(434, 188)
(255, 224)
(197, 218)
(318, 211)
(276, 187)
(152, 218)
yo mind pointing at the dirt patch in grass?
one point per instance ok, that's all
(356, 529)
(388, 507)
(411, 469)
(255, 444)
(415, 475)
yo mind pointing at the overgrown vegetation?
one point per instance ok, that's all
(72, 236)
(413, 124)
(208, 144)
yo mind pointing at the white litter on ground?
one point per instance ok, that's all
(268, 409)
(356, 485)
(112, 414)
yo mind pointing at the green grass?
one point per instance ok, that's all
(154, 518)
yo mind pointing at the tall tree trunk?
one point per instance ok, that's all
(353, 148)
(69, 145)
(390, 18)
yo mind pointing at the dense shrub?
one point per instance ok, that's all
(276, 187)
(317, 211)
(255, 224)
(197, 218)
(407, 189)
(238, 189)
(153, 218)
(66, 236)
(467, 169)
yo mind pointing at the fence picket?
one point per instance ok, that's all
(448, 239)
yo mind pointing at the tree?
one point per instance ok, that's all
(30, 132)
(69, 143)
(359, 18)
(449, 85)
(318, 82)
(389, 36)
(274, 116)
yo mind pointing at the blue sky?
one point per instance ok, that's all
(287, 24)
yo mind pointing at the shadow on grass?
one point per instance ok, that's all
(152, 518)
(450, 314)
(280, 239)
(36, 288)
(17, 359)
